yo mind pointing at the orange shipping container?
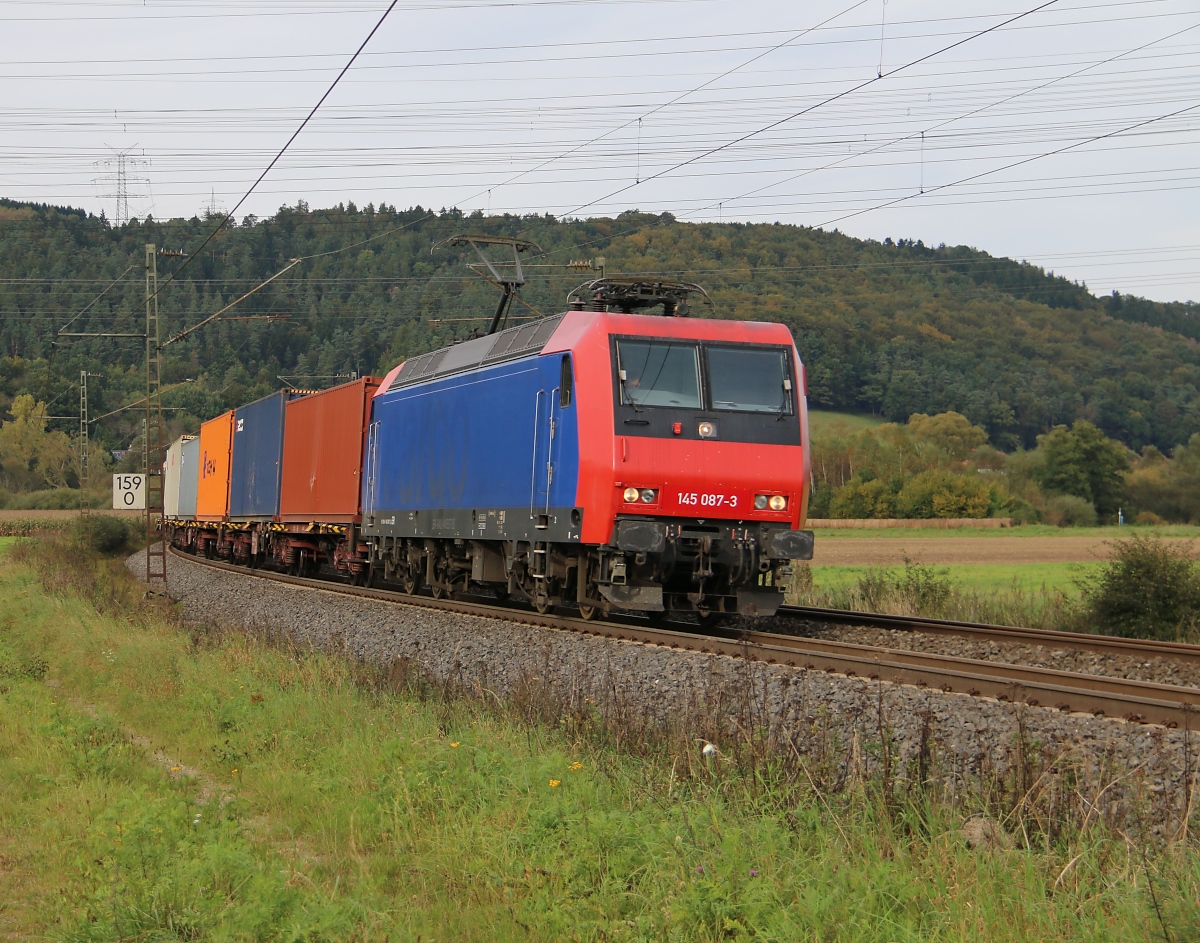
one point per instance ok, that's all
(323, 440)
(216, 448)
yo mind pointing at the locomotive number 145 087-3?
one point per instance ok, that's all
(708, 500)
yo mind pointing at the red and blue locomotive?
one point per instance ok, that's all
(601, 458)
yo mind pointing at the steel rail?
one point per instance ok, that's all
(1135, 701)
(1114, 645)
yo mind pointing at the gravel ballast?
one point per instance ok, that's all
(829, 717)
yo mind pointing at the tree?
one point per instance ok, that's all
(30, 455)
(951, 432)
(1084, 462)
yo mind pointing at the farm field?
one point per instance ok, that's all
(836, 548)
(822, 422)
(201, 782)
(981, 578)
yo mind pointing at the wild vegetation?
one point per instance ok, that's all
(173, 783)
(943, 466)
(1148, 589)
(892, 328)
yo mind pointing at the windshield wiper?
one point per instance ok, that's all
(625, 397)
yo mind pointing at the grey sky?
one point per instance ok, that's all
(498, 106)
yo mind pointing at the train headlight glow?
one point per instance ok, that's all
(778, 502)
(707, 430)
(631, 495)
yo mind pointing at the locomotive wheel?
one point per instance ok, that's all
(588, 612)
(543, 604)
(438, 592)
(408, 582)
(709, 620)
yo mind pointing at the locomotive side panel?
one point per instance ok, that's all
(491, 454)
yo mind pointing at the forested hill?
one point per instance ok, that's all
(887, 328)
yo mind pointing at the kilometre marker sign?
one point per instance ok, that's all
(129, 492)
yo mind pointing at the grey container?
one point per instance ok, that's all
(189, 476)
(254, 481)
(171, 466)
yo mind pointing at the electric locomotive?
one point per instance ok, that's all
(603, 458)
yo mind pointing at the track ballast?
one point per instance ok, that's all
(1135, 701)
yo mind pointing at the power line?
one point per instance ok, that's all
(811, 108)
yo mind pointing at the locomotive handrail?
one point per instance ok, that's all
(533, 462)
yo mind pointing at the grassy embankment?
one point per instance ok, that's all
(1042, 595)
(156, 784)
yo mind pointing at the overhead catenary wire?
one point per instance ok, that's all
(829, 100)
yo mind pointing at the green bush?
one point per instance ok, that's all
(1148, 590)
(1066, 510)
(108, 534)
(52, 499)
(937, 493)
(862, 499)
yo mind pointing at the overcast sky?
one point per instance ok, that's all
(1063, 137)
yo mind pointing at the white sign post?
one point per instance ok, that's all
(129, 492)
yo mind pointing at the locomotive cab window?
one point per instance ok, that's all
(659, 373)
(565, 382)
(750, 379)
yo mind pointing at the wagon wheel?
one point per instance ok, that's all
(371, 576)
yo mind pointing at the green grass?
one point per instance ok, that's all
(982, 578)
(355, 813)
(828, 423)
(1025, 530)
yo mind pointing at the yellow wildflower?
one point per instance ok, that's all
(233, 771)
(456, 743)
(554, 784)
(575, 766)
(176, 769)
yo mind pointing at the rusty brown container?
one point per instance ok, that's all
(216, 449)
(324, 437)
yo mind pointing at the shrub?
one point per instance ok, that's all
(1066, 510)
(860, 499)
(937, 493)
(52, 499)
(822, 497)
(109, 534)
(1148, 590)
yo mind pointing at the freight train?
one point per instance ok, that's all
(602, 458)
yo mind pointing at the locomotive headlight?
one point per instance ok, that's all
(631, 495)
(778, 502)
(649, 496)
(760, 502)
(707, 430)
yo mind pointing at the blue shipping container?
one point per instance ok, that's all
(189, 476)
(258, 458)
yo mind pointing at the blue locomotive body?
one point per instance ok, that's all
(490, 453)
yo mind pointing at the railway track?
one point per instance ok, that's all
(1135, 701)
